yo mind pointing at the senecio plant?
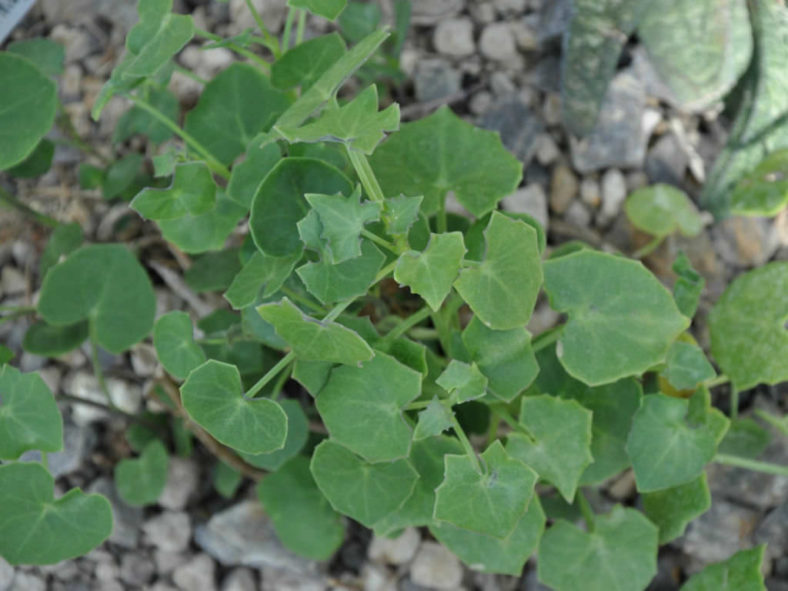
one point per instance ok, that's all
(430, 404)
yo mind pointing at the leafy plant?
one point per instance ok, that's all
(406, 325)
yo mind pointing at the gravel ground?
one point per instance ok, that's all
(496, 63)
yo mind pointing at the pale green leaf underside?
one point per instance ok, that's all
(463, 381)
(433, 420)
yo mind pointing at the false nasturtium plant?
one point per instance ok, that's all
(432, 405)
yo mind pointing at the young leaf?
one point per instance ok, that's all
(261, 276)
(365, 492)
(673, 508)
(463, 381)
(489, 503)
(47, 55)
(65, 239)
(303, 519)
(740, 572)
(304, 64)
(764, 190)
(50, 341)
(661, 210)
(312, 339)
(432, 272)
(621, 554)
(748, 335)
(558, 445)
(106, 285)
(374, 395)
(400, 213)
(433, 420)
(502, 290)
(173, 337)
(342, 220)
(688, 287)
(192, 192)
(29, 417)
(452, 155)
(347, 280)
(141, 481)
(246, 177)
(206, 231)
(27, 108)
(621, 319)
(329, 9)
(687, 366)
(213, 397)
(37, 529)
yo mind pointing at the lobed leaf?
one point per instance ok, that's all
(350, 279)
(342, 219)
(433, 420)
(463, 381)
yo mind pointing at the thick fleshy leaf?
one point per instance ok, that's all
(29, 417)
(141, 481)
(303, 519)
(672, 440)
(687, 366)
(620, 554)
(365, 492)
(688, 287)
(173, 337)
(192, 191)
(280, 204)
(432, 272)
(463, 381)
(47, 55)
(234, 107)
(350, 279)
(341, 221)
(297, 435)
(304, 64)
(27, 108)
(329, 9)
(246, 176)
(213, 397)
(433, 420)
(362, 407)
(312, 339)
(621, 319)
(504, 356)
(65, 239)
(50, 341)
(748, 336)
(489, 502)
(261, 276)
(764, 191)
(502, 290)
(558, 442)
(37, 528)
(741, 572)
(673, 508)
(661, 210)
(106, 285)
(505, 556)
(442, 153)
(206, 231)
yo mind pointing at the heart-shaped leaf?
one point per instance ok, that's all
(350, 279)
(192, 192)
(141, 481)
(432, 272)
(173, 337)
(741, 571)
(661, 210)
(194, 233)
(673, 508)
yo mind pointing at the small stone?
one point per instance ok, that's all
(71, 81)
(182, 480)
(143, 360)
(51, 376)
(376, 578)
(6, 574)
(551, 108)
(29, 362)
(272, 11)
(543, 318)
(525, 35)
(125, 396)
(509, 7)
(78, 443)
(530, 200)
(497, 42)
(480, 102)
(283, 580)
(170, 531)
(435, 79)
(166, 562)
(518, 126)
(13, 281)
(720, 532)
(590, 192)
(106, 571)
(773, 531)
(482, 12)
(636, 180)
(397, 550)
(198, 574)
(454, 37)
(436, 567)
(614, 192)
(125, 518)
(563, 188)
(185, 88)
(239, 579)
(501, 84)
(136, 569)
(746, 241)
(578, 215)
(430, 12)
(547, 151)
(77, 43)
(27, 582)
(554, 18)
(206, 63)
(667, 161)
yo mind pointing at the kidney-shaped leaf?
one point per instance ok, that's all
(140, 481)
(661, 210)
(195, 233)
(173, 337)
(192, 192)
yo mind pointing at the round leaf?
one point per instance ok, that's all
(141, 481)
(297, 435)
(661, 210)
(173, 337)
(51, 341)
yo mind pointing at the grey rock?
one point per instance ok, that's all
(78, 442)
(531, 200)
(554, 19)
(482, 12)
(497, 42)
(430, 12)
(239, 579)
(590, 192)
(776, 585)
(563, 188)
(510, 6)
(143, 360)
(106, 572)
(27, 582)
(578, 215)
(243, 535)
(619, 138)
(77, 42)
(136, 569)
(170, 531)
(125, 518)
(746, 241)
(480, 102)
(376, 578)
(282, 580)
(501, 84)
(454, 37)
(551, 109)
(29, 362)
(720, 532)
(82, 384)
(525, 35)
(272, 11)
(644, 70)
(667, 161)
(773, 531)
(13, 281)
(6, 574)
(518, 125)
(436, 567)
(547, 151)
(199, 574)
(398, 550)
(182, 480)
(435, 79)
(614, 192)
(543, 318)
(166, 562)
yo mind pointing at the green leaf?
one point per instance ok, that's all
(344, 281)
(90, 177)
(668, 445)
(432, 272)
(121, 176)
(621, 319)
(213, 271)
(741, 572)
(37, 162)
(261, 276)
(661, 210)
(226, 479)
(304, 64)
(173, 337)
(359, 19)
(400, 213)
(192, 192)
(342, 220)
(213, 397)
(673, 508)
(329, 9)
(504, 356)
(374, 394)
(65, 239)
(442, 153)
(51, 341)
(358, 124)
(687, 366)
(463, 381)
(748, 335)
(489, 503)
(37, 529)
(487, 554)
(234, 107)
(698, 49)
(764, 190)
(502, 290)
(106, 285)
(303, 519)
(312, 375)
(279, 203)
(433, 420)
(29, 417)
(27, 108)
(745, 438)
(558, 442)
(621, 554)
(246, 176)
(688, 287)
(365, 492)
(139, 121)
(297, 435)
(312, 339)
(141, 481)
(47, 55)
(6, 354)
(206, 231)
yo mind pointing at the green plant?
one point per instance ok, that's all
(405, 323)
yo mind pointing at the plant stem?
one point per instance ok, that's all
(586, 510)
(114, 410)
(385, 271)
(189, 74)
(424, 334)
(9, 199)
(442, 219)
(297, 297)
(406, 324)
(780, 425)
(67, 126)
(547, 338)
(264, 65)
(288, 29)
(492, 430)
(270, 41)
(366, 175)
(380, 241)
(99, 373)
(270, 375)
(648, 248)
(755, 465)
(717, 381)
(301, 27)
(280, 383)
(418, 405)
(734, 402)
(466, 443)
(216, 166)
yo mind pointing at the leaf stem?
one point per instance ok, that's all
(648, 248)
(264, 65)
(734, 410)
(385, 271)
(586, 510)
(442, 219)
(270, 375)
(189, 74)
(280, 383)
(780, 425)
(288, 29)
(406, 324)
(466, 443)
(115, 410)
(301, 27)
(418, 405)
(755, 465)
(270, 41)
(547, 338)
(717, 381)
(9, 199)
(380, 241)
(303, 300)
(66, 125)
(495, 421)
(366, 175)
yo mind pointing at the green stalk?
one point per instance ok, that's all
(466, 443)
(380, 241)
(418, 405)
(288, 29)
(301, 27)
(406, 324)
(755, 465)
(73, 138)
(269, 40)
(648, 248)
(9, 199)
(189, 74)
(367, 176)
(385, 272)
(717, 381)
(98, 372)
(264, 65)
(280, 383)
(442, 219)
(270, 375)
(778, 424)
(734, 402)
(547, 338)
(586, 510)
(304, 301)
